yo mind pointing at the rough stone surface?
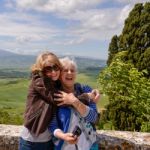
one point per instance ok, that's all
(123, 140)
(9, 135)
(108, 140)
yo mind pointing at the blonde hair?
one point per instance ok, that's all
(68, 61)
(43, 60)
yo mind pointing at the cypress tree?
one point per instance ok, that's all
(113, 48)
(135, 38)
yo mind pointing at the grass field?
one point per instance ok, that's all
(13, 94)
(92, 81)
(88, 80)
(12, 97)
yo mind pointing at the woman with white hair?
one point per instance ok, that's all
(80, 112)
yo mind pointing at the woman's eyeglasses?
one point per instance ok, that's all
(50, 68)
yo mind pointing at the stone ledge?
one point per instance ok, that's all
(108, 140)
(123, 140)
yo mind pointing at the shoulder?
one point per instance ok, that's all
(84, 88)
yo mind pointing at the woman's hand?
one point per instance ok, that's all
(70, 99)
(63, 98)
(68, 137)
(94, 95)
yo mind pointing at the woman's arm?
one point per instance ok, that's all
(89, 112)
(70, 99)
(93, 113)
(58, 133)
(41, 90)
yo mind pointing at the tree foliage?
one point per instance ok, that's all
(129, 95)
(135, 38)
(113, 48)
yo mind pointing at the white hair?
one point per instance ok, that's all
(68, 61)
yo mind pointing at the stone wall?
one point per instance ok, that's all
(108, 140)
(123, 140)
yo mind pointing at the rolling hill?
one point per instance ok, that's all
(13, 60)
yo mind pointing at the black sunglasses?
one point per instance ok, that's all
(50, 68)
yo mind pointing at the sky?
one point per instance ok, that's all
(64, 27)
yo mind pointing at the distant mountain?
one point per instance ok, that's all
(4, 53)
(13, 60)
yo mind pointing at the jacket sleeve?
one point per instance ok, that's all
(39, 87)
(92, 114)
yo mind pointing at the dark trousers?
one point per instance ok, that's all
(27, 145)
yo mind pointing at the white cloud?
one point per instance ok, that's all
(130, 1)
(124, 13)
(26, 28)
(97, 24)
(74, 41)
(29, 38)
(64, 6)
(25, 33)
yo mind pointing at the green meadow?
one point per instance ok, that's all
(13, 92)
(12, 100)
(91, 80)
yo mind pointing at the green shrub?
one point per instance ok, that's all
(10, 118)
(128, 93)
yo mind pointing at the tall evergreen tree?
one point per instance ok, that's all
(113, 48)
(135, 37)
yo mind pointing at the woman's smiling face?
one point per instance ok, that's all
(68, 75)
(52, 72)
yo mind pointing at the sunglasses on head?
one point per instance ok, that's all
(50, 68)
